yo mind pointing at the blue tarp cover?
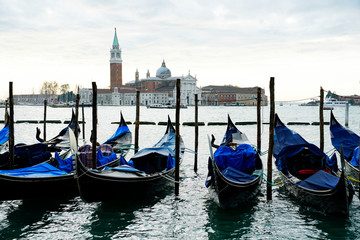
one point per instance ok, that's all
(119, 133)
(288, 143)
(164, 151)
(242, 158)
(320, 181)
(291, 151)
(40, 170)
(283, 137)
(102, 160)
(349, 140)
(4, 135)
(355, 158)
(236, 175)
(67, 164)
(168, 140)
(332, 163)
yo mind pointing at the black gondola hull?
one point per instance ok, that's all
(229, 194)
(351, 171)
(331, 202)
(95, 186)
(13, 188)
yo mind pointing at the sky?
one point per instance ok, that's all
(302, 44)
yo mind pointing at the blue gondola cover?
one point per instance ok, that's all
(119, 133)
(320, 181)
(40, 170)
(242, 158)
(65, 164)
(345, 137)
(4, 135)
(355, 158)
(236, 175)
(288, 143)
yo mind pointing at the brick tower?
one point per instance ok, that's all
(115, 64)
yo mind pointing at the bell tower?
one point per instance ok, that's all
(115, 64)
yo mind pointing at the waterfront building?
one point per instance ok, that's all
(164, 82)
(231, 96)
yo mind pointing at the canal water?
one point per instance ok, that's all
(192, 214)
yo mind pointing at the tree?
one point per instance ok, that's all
(49, 87)
(64, 88)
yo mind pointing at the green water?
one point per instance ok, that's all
(192, 214)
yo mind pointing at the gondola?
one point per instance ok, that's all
(120, 141)
(53, 178)
(29, 155)
(234, 175)
(349, 140)
(60, 141)
(306, 174)
(146, 173)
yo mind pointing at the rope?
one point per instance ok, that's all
(261, 153)
(261, 175)
(353, 179)
(299, 100)
(169, 178)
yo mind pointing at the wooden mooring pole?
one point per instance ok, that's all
(271, 140)
(137, 121)
(77, 118)
(347, 115)
(258, 119)
(44, 131)
(11, 125)
(321, 114)
(177, 138)
(94, 124)
(196, 133)
(83, 122)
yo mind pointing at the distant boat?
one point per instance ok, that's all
(62, 105)
(312, 103)
(168, 106)
(332, 102)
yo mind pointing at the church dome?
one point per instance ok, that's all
(163, 71)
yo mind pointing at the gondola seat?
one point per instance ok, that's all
(321, 180)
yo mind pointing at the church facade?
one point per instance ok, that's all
(159, 89)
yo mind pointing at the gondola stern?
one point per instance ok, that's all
(170, 127)
(122, 120)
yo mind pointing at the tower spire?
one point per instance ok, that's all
(115, 42)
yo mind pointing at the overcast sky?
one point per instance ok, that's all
(303, 44)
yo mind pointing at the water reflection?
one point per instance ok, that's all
(230, 222)
(28, 215)
(112, 218)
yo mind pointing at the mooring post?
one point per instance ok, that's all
(11, 125)
(6, 111)
(177, 138)
(196, 133)
(259, 119)
(83, 121)
(271, 139)
(321, 114)
(44, 134)
(137, 121)
(94, 125)
(77, 118)
(347, 115)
